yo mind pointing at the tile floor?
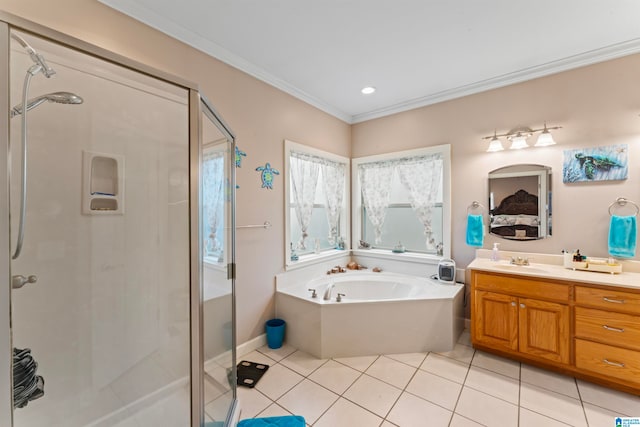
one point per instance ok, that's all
(460, 388)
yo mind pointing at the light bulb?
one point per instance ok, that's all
(545, 139)
(518, 141)
(495, 145)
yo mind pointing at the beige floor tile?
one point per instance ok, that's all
(308, 399)
(562, 384)
(597, 416)
(303, 363)
(616, 401)
(497, 364)
(411, 359)
(344, 413)
(500, 386)
(460, 352)
(411, 411)
(446, 367)
(435, 389)
(335, 376)
(391, 371)
(277, 381)
(359, 363)
(460, 421)
(277, 354)
(533, 419)
(252, 402)
(274, 410)
(373, 394)
(485, 409)
(554, 405)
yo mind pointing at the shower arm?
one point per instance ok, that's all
(23, 178)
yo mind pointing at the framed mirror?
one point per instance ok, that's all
(520, 202)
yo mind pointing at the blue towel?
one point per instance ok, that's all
(622, 236)
(475, 230)
(286, 421)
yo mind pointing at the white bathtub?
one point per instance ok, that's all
(381, 313)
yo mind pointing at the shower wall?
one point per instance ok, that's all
(108, 319)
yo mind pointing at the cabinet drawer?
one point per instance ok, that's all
(608, 327)
(512, 285)
(608, 360)
(611, 299)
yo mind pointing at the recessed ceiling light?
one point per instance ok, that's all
(368, 90)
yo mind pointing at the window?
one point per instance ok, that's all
(401, 201)
(214, 194)
(317, 197)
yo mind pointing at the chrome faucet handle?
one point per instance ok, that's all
(339, 297)
(314, 294)
(19, 281)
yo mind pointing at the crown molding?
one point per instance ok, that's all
(191, 38)
(166, 26)
(607, 53)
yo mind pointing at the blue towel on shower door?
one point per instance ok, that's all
(475, 230)
(622, 236)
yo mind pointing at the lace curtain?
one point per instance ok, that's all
(375, 182)
(422, 177)
(304, 180)
(333, 176)
(213, 194)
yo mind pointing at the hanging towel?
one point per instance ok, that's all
(475, 230)
(622, 236)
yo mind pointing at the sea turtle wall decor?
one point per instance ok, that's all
(239, 155)
(608, 163)
(267, 174)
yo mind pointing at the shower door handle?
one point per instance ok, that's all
(19, 281)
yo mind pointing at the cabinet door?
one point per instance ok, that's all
(496, 320)
(544, 329)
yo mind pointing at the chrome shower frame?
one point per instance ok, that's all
(10, 22)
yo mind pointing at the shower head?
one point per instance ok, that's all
(58, 97)
(38, 59)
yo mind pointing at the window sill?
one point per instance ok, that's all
(310, 259)
(406, 256)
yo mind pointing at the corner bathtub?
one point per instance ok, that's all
(381, 313)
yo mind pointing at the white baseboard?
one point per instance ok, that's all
(252, 344)
(467, 324)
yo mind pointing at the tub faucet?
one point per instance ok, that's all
(327, 293)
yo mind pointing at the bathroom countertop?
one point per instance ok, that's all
(558, 272)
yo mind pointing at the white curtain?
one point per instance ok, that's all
(213, 194)
(375, 182)
(422, 177)
(333, 175)
(304, 180)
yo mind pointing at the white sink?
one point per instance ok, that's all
(520, 268)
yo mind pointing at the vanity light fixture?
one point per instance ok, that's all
(495, 144)
(368, 90)
(518, 137)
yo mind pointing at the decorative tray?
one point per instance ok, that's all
(598, 266)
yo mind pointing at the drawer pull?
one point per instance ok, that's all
(619, 365)
(616, 301)
(610, 328)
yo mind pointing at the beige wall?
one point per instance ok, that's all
(596, 105)
(260, 115)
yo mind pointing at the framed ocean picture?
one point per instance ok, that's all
(608, 163)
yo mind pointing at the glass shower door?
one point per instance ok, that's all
(218, 333)
(106, 315)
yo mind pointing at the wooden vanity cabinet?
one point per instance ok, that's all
(521, 316)
(588, 331)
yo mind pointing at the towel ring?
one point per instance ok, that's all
(621, 201)
(474, 205)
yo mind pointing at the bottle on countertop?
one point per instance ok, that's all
(495, 252)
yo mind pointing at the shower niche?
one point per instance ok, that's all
(102, 183)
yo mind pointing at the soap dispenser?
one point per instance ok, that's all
(495, 253)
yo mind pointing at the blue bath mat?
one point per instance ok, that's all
(286, 421)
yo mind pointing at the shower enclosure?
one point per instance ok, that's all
(110, 172)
